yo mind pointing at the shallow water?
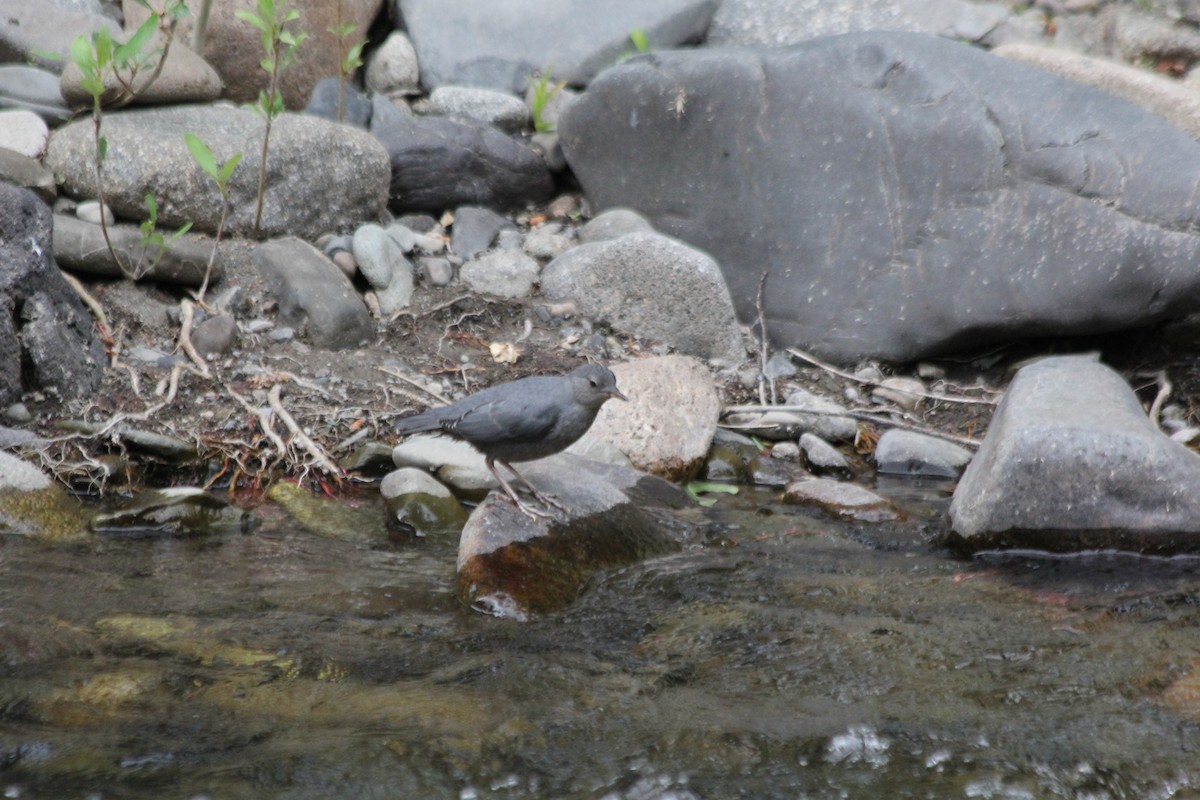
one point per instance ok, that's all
(790, 656)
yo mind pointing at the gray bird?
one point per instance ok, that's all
(523, 420)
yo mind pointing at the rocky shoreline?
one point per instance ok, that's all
(830, 241)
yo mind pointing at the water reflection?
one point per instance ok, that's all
(792, 657)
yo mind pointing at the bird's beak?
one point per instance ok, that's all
(618, 394)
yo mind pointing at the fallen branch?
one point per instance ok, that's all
(863, 416)
(827, 367)
(302, 438)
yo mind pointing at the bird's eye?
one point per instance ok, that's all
(592, 381)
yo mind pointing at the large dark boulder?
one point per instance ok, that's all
(47, 339)
(909, 195)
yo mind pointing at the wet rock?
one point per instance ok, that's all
(1090, 209)
(668, 424)
(499, 44)
(842, 500)
(332, 518)
(371, 460)
(455, 463)
(786, 451)
(440, 163)
(728, 457)
(650, 285)
(80, 247)
(418, 505)
(47, 338)
(512, 566)
(393, 67)
(147, 152)
(33, 505)
(179, 511)
(822, 457)
(27, 173)
(356, 108)
(381, 261)
(313, 294)
(1071, 462)
(499, 109)
(33, 89)
(503, 273)
(475, 229)
(766, 470)
(901, 452)
(184, 78)
(802, 412)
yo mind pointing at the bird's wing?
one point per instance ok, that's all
(505, 421)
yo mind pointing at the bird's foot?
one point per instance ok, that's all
(547, 500)
(535, 514)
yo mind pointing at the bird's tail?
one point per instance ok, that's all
(418, 423)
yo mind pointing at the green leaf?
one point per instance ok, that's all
(226, 171)
(49, 56)
(101, 149)
(83, 55)
(184, 228)
(138, 41)
(152, 208)
(638, 37)
(253, 19)
(201, 154)
(697, 488)
(104, 47)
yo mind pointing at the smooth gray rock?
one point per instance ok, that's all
(23, 131)
(1071, 462)
(440, 163)
(498, 44)
(215, 334)
(650, 285)
(501, 109)
(613, 224)
(393, 66)
(739, 23)
(47, 336)
(503, 273)
(33, 89)
(184, 78)
(381, 261)
(307, 156)
(313, 294)
(323, 102)
(821, 456)
(28, 173)
(901, 452)
(963, 209)
(474, 230)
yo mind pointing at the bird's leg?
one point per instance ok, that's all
(545, 498)
(524, 508)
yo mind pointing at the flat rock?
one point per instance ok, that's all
(842, 500)
(498, 44)
(963, 210)
(313, 294)
(501, 109)
(1071, 462)
(80, 247)
(650, 285)
(184, 78)
(668, 424)
(147, 153)
(515, 567)
(34, 90)
(901, 452)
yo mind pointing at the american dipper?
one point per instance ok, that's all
(523, 420)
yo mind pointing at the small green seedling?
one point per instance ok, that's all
(543, 93)
(351, 59)
(220, 175)
(152, 238)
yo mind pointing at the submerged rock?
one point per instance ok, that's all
(33, 505)
(331, 518)
(179, 511)
(512, 566)
(418, 505)
(1071, 462)
(842, 500)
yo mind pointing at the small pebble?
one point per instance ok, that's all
(18, 413)
(788, 451)
(89, 211)
(282, 334)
